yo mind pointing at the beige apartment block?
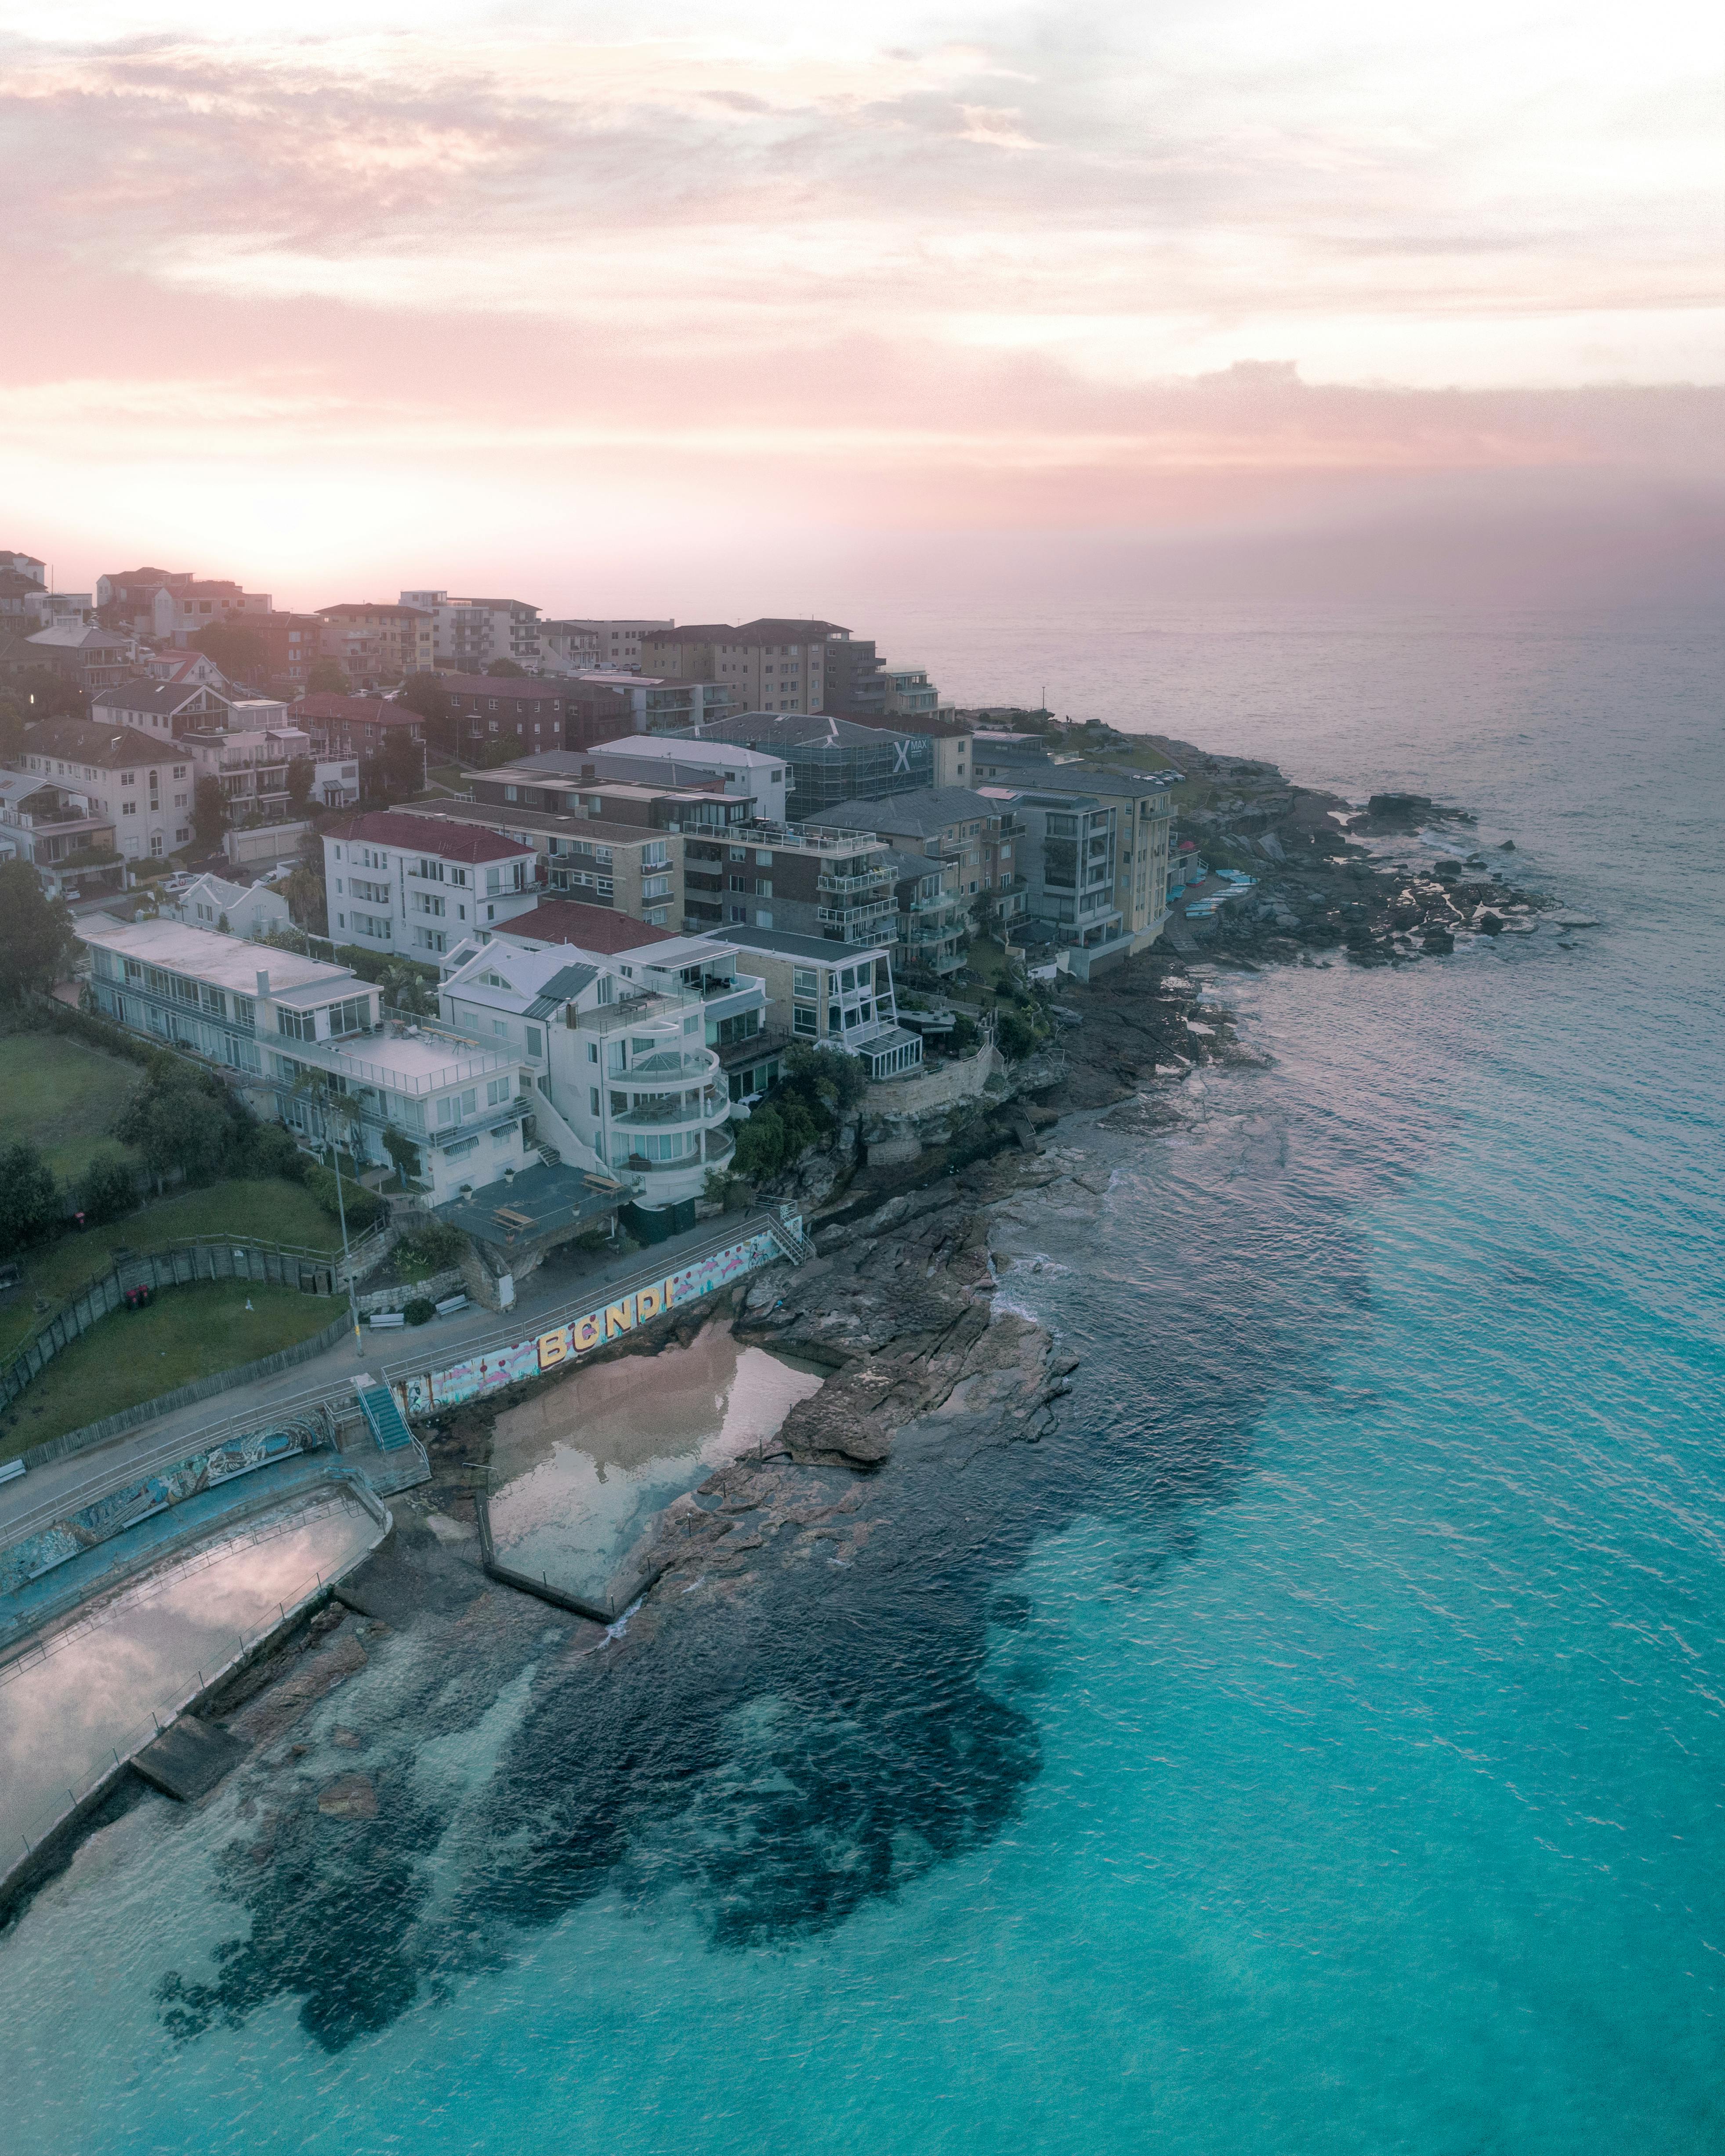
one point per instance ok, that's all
(772, 665)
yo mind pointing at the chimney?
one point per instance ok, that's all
(263, 984)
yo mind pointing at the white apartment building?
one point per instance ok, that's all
(655, 758)
(417, 886)
(616, 1052)
(467, 633)
(307, 1042)
(143, 786)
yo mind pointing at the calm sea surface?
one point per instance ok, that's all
(1316, 1746)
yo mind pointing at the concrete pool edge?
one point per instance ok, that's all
(53, 1847)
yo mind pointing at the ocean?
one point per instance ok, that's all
(1315, 1744)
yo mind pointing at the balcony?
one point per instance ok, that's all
(842, 886)
(853, 919)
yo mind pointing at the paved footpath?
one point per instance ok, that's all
(442, 1341)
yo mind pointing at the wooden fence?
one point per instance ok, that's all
(194, 1258)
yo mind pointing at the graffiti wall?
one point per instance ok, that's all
(111, 1515)
(566, 1342)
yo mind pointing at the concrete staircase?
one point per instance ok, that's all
(384, 1417)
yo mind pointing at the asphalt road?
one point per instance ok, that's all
(442, 1341)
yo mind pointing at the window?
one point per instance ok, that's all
(500, 1026)
(536, 1041)
(499, 1089)
(593, 1100)
(804, 980)
(297, 1025)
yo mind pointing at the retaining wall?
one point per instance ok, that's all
(565, 1337)
(186, 1396)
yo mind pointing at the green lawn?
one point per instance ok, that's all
(136, 1355)
(273, 1212)
(64, 1095)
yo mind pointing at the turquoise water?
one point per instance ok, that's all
(1316, 1746)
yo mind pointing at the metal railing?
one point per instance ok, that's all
(763, 1219)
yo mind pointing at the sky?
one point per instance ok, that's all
(736, 309)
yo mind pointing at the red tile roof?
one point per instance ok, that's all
(325, 705)
(503, 684)
(428, 834)
(375, 606)
(596, 928)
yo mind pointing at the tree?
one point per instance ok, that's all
(29, 1203)
(184, 1118)
(325, 678)
(301, 776)
(236, 650)
(425, 694)
(760, 1145)
(506, 669)
(14, 714)
(209, 812)
(1014, 1031)
(402, 1151)
(109, 1189)
(405, 990)
(47, 694)
(399, 771)
(307, 897)
(36, 934)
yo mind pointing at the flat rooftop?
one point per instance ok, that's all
(803, 946)
(409, 1061)
(225, 961)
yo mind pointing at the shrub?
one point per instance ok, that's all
(363, 1208)
(110, 1189)
(1015, 1032)
(420, 1311)
(760, 1145)
(270, 1151)
(430, 1248)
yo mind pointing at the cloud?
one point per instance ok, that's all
(1055, 271)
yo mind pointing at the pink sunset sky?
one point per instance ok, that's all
(737, 308)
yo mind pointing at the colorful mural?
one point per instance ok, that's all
(576, 1337)
(111, 1515)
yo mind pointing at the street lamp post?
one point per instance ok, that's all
(342, 1214)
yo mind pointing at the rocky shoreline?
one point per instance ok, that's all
(901, 1308)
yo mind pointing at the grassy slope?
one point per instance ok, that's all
(135, 1355)
(64, 1095)
(273, 1211)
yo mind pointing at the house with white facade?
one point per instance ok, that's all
(231, 909)
(661, 759)
(307, 1042)
(414, 885)
(143, 786)
(627, 1053)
